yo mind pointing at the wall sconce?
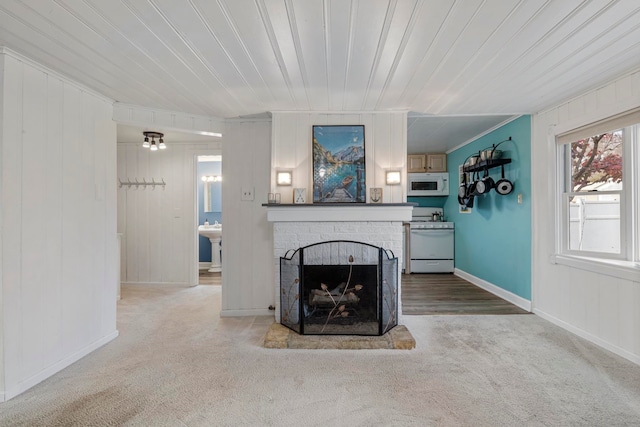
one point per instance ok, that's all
(284, 177)
(393, 177)
(153, 146)
(211, 178)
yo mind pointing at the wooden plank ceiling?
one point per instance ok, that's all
(230, 58)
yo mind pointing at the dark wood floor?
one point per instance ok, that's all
(431, 294)
(449, 294)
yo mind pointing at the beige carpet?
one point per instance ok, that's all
(176, 363)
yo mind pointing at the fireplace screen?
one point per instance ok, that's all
(339, 288)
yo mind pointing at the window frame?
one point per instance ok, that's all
(627, 263)
(563, 194)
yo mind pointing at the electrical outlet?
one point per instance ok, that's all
(247, 193)
(520, 198)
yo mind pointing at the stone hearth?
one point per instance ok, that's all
(278, 336)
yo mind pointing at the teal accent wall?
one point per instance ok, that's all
(493, 242)
(429, 201)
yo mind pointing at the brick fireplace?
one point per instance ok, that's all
(297, 226)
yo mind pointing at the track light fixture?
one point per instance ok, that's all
(153, 146)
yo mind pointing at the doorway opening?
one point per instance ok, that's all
(209, 219)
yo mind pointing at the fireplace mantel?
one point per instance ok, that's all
(339, 212)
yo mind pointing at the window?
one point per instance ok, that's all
(597, 194)
(593, 193)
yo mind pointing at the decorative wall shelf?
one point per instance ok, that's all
(486, 164)
(490, 162)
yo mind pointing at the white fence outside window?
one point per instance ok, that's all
(594, 226)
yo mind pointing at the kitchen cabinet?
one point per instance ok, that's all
(417, 163)
(436, 162)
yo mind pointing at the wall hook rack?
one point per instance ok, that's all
(144, 183)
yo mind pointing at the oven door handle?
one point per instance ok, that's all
(439, 231)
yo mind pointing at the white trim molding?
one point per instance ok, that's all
(158, 284)
(349, 212)
(137, 115)
(244, 313)
(627, 270)
(481, 134)
(332, 112)
(496, 290)
(587, 336)
(53, 369)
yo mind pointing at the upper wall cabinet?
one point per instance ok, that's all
(436, 162)
(417, 163)
(427, 163)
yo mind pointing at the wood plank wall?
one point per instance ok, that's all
(58, 223)
(594, 305)
(385, 148)
(247, 248)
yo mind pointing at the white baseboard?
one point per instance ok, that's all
(204, 265)
(55, 368)
(157, 284)
(589, 337)
(242, 313)
(496, 290)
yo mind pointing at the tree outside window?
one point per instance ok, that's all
(596, 160)
(593, 193)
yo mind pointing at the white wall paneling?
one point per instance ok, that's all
(597, 306)
(158, 225)
(58, 224)
(385, 147)
(247, 242)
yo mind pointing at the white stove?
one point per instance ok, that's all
(431, 243)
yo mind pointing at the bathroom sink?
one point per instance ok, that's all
(214, 233)
(211, 231)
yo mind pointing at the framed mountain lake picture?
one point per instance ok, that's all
(338, 164)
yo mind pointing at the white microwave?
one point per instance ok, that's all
(428, 184)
